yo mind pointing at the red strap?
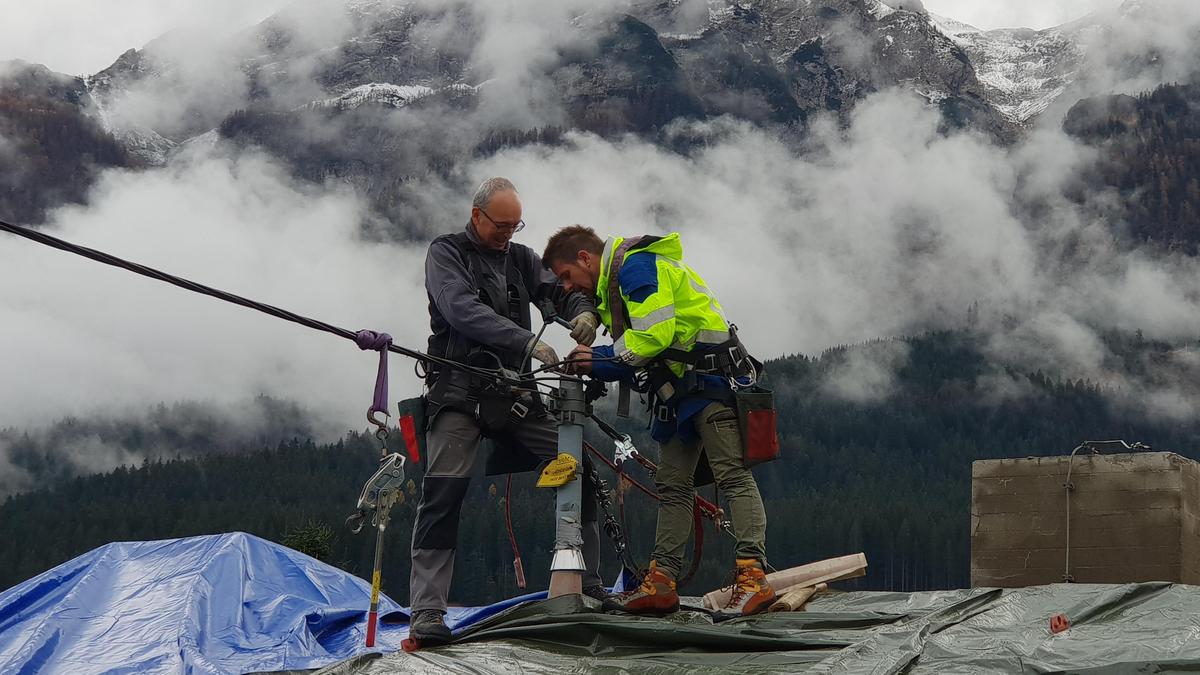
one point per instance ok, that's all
(698, 545)
(702, 508)
(408, 428)
(512, 538)
(620, 472)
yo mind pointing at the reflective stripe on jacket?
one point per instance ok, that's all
(668, 303)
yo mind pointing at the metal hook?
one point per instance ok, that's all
(381, 431)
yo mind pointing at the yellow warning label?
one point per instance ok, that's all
(560, 471)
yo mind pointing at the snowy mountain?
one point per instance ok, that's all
(420, 80)
(1023, 71)
(766, 61)
(1138, 45)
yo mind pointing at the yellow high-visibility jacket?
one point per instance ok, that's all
(668, 305)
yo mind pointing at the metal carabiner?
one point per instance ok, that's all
(381, 431)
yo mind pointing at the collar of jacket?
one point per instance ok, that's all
(482, 247)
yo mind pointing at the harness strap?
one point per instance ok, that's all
(617, 311)
(512, 303)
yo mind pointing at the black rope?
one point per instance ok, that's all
(109, 259)
(277, 312)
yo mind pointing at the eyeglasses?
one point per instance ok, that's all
(515, 227)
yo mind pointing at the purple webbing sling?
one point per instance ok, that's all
(369, 339)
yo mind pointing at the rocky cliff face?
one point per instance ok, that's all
(51, 146)
(414, 78)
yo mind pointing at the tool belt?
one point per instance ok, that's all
(755, 405)
(728, 360)
(498, 407)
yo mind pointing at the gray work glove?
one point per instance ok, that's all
(583, 328)
(544, 352)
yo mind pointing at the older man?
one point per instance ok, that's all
(480, 285)
(668, 324)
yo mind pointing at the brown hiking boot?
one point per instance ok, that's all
(752, 593)
(656, 595)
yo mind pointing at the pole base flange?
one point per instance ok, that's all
(567, 560)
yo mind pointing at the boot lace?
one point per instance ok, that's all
(428, 616)
(742, 583)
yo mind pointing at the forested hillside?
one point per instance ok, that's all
(889, 477)
(51, 150)
(1150, 155)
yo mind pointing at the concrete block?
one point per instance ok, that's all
(1133, 517)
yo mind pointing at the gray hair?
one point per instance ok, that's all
(490, 188)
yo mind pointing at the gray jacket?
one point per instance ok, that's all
(454, 302)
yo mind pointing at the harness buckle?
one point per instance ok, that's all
(520, 410)
(737, 355)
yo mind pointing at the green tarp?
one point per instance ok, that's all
(1135, 628)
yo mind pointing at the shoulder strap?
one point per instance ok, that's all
(470, 255)
(474, 262)
(517, 274)
(616, 305)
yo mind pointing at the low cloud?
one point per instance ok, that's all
(881, 227)
(77, 445)
(866, 373)
(884, 228)
(92, 338)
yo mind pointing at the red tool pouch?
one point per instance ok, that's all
(412, 427)
(758, 421)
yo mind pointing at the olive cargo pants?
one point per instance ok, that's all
(721, 440)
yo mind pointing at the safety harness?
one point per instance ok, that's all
(496, 406)
(728, 360)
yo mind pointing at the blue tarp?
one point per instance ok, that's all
(229, 603)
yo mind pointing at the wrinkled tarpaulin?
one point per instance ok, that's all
(234, 603)
(1136, 628)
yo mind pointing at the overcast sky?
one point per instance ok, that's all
(81, 37)
(1016, 13)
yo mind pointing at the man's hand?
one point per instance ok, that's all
(579, 361)
(544, 353)
(583, 328)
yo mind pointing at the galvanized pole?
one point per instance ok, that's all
(567, 565)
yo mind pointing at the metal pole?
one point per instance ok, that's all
(567, 565)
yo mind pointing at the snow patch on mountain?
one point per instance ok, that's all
(1022, 70)
(143, 144)
(391, 95)
(879, 10)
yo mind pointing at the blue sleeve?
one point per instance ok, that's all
(638, 277)
(609, 371)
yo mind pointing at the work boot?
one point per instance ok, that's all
(656, 595)
(428, 628)
(596, 592)
(752, 593)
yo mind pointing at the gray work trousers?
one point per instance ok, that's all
(451, 448)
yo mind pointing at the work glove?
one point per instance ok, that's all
(544, 352)
(583, 328)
